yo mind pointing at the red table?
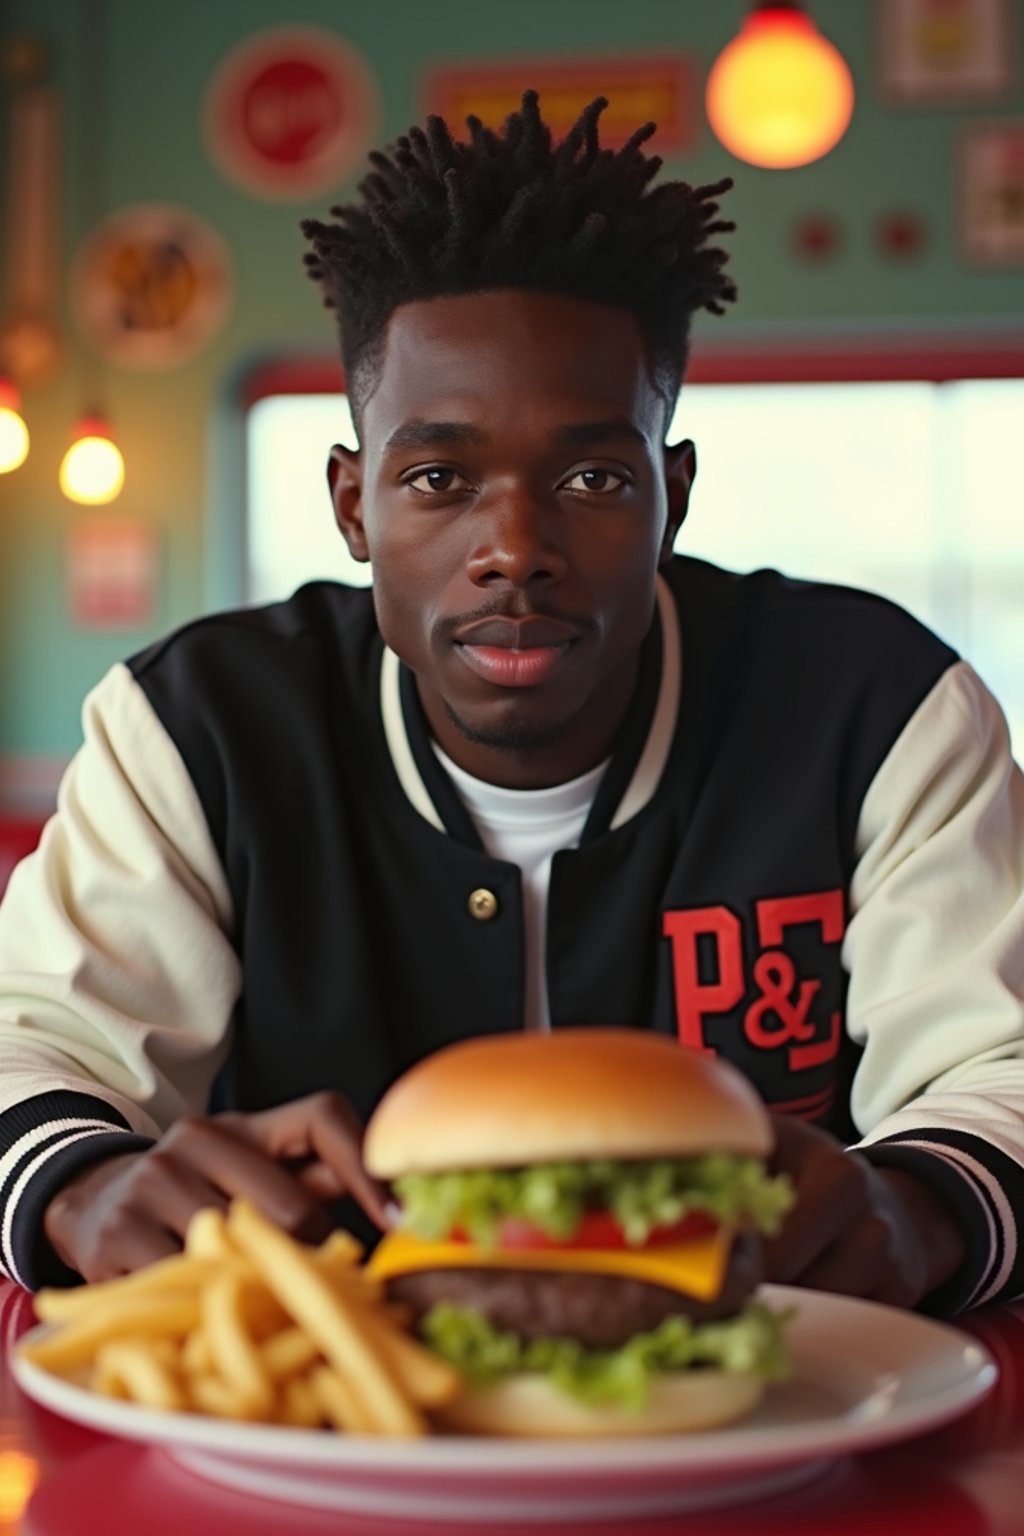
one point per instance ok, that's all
(966, 1479)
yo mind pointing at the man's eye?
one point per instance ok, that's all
(437, 479)
(595, 481)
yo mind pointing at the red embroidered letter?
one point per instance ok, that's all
(781, 995)
(695, 998)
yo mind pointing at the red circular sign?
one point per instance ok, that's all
(289, 112)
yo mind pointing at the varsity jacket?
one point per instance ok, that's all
(806, 855)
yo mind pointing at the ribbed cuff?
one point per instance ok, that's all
(982, 1187)
(44, 1143)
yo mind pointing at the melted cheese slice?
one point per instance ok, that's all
(694, 1269)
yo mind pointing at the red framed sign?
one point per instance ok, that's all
(111, 573)
(640, 88)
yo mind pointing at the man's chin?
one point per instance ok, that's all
(513, 737)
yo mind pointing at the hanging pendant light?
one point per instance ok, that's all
(779, 95)
(14, 438)
(92, 470)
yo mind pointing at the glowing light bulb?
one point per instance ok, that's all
(18, 1477)
(92, 471)
(779, 94)
(14, 439)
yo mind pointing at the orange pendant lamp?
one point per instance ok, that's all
(779, 95)
(92, 470)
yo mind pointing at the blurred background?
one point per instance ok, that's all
(858, 415)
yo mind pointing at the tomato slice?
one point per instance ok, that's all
(597, 1229)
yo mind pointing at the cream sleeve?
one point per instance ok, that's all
(935, 955)
(118, 976)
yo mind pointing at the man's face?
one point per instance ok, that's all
(514, 496)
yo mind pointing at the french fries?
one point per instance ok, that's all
(248, 1324)
(307, 1293)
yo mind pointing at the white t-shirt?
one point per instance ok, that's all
(526, 827)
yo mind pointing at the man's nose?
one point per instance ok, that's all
(516, 539)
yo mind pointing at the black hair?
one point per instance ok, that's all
(508, 210)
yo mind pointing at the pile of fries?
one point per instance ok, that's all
(248, 1324)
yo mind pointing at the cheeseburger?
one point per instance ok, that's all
(581, 1215)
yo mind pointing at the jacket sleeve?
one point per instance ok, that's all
(118, 976)
(935, 954)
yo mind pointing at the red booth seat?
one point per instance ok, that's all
(18, 836)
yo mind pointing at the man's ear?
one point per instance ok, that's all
(345, 478)
(680, 469)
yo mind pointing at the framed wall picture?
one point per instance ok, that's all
(946, 51)
(992, 193)
(111, 573)
(151, 285)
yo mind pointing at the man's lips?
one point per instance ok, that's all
(512, 668)
(515, 653)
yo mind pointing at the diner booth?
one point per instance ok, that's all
(18, 837)
(169, 393)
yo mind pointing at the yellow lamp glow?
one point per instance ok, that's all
(779, 94)
(13, 431)
(93, 469)
(18, 1477)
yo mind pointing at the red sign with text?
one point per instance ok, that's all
(658, 88)
(290, 111)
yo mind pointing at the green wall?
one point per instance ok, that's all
(180, 430)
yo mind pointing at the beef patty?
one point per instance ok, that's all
(601, 1311)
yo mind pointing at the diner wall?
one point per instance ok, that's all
(180, 429)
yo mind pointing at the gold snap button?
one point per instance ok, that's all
(483, 905)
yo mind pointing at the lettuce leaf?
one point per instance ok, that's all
(554, 1196)
(750, 1343)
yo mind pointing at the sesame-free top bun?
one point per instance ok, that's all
(502, 1101)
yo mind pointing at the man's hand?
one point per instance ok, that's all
(879, 1233)
(133, 1208)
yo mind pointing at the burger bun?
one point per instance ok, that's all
(500, 1101)
(529, 1405)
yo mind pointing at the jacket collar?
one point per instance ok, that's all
(638, 759)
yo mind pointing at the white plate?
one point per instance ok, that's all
(864, 1375)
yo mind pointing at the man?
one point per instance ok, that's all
(546, 773)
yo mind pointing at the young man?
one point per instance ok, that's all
(546, 773)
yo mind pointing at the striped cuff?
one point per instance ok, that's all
(984, 1187)
(44, 1142)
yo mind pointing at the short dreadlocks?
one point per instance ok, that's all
(507, 210)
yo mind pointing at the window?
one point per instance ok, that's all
(907, 488)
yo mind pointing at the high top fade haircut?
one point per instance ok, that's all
(509, 210)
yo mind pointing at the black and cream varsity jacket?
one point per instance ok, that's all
(805, 855)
